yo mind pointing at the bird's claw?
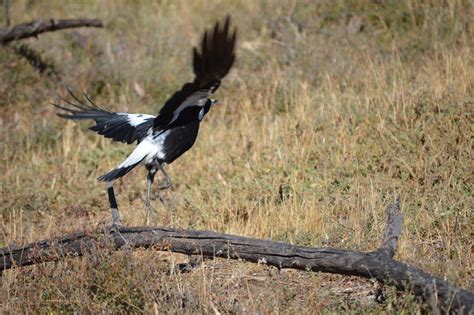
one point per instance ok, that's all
(115, 227)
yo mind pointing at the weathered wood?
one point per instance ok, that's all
(377, 264)
(33, 29)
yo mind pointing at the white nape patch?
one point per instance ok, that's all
(150, 148)
(136, 119)
(201, 114)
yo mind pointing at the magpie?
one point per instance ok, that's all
(163, 138)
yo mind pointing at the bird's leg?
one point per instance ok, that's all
(164, 185)
(149, 182)
(116, 219)
(167, 183)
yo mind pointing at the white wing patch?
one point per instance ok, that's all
(136, 119)
(149, 149)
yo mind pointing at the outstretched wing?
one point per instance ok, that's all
(216, 57)
(211, 64)
(121, 127)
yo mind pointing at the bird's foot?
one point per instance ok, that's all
(115, 232)
(116, 225)
(116, 218)
(164, 186)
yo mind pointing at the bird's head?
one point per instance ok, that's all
(210, 102)
(213, 101)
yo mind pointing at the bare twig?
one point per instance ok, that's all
(393, 230)
(375, 265)
(35, 59)
(33, 29)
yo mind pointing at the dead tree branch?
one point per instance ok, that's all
(377, 264)
(33, 29)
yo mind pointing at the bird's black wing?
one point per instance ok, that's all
(121, 127)
(210, 64)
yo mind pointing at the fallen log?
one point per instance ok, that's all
(33, 29)
(378, 264)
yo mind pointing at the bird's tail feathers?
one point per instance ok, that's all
(144, 149)
(118, 172)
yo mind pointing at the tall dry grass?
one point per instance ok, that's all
(317, 129)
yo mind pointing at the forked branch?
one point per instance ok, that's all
(377, 264)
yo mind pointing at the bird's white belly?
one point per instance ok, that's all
(149, 149)
(157, 144)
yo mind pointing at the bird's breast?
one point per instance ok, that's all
(178, 140)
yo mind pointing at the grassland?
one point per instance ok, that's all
(319, 126)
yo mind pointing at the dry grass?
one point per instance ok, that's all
(317, 130)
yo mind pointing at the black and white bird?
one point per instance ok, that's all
(163, 138)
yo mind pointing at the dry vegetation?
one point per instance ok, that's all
(319, 126)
